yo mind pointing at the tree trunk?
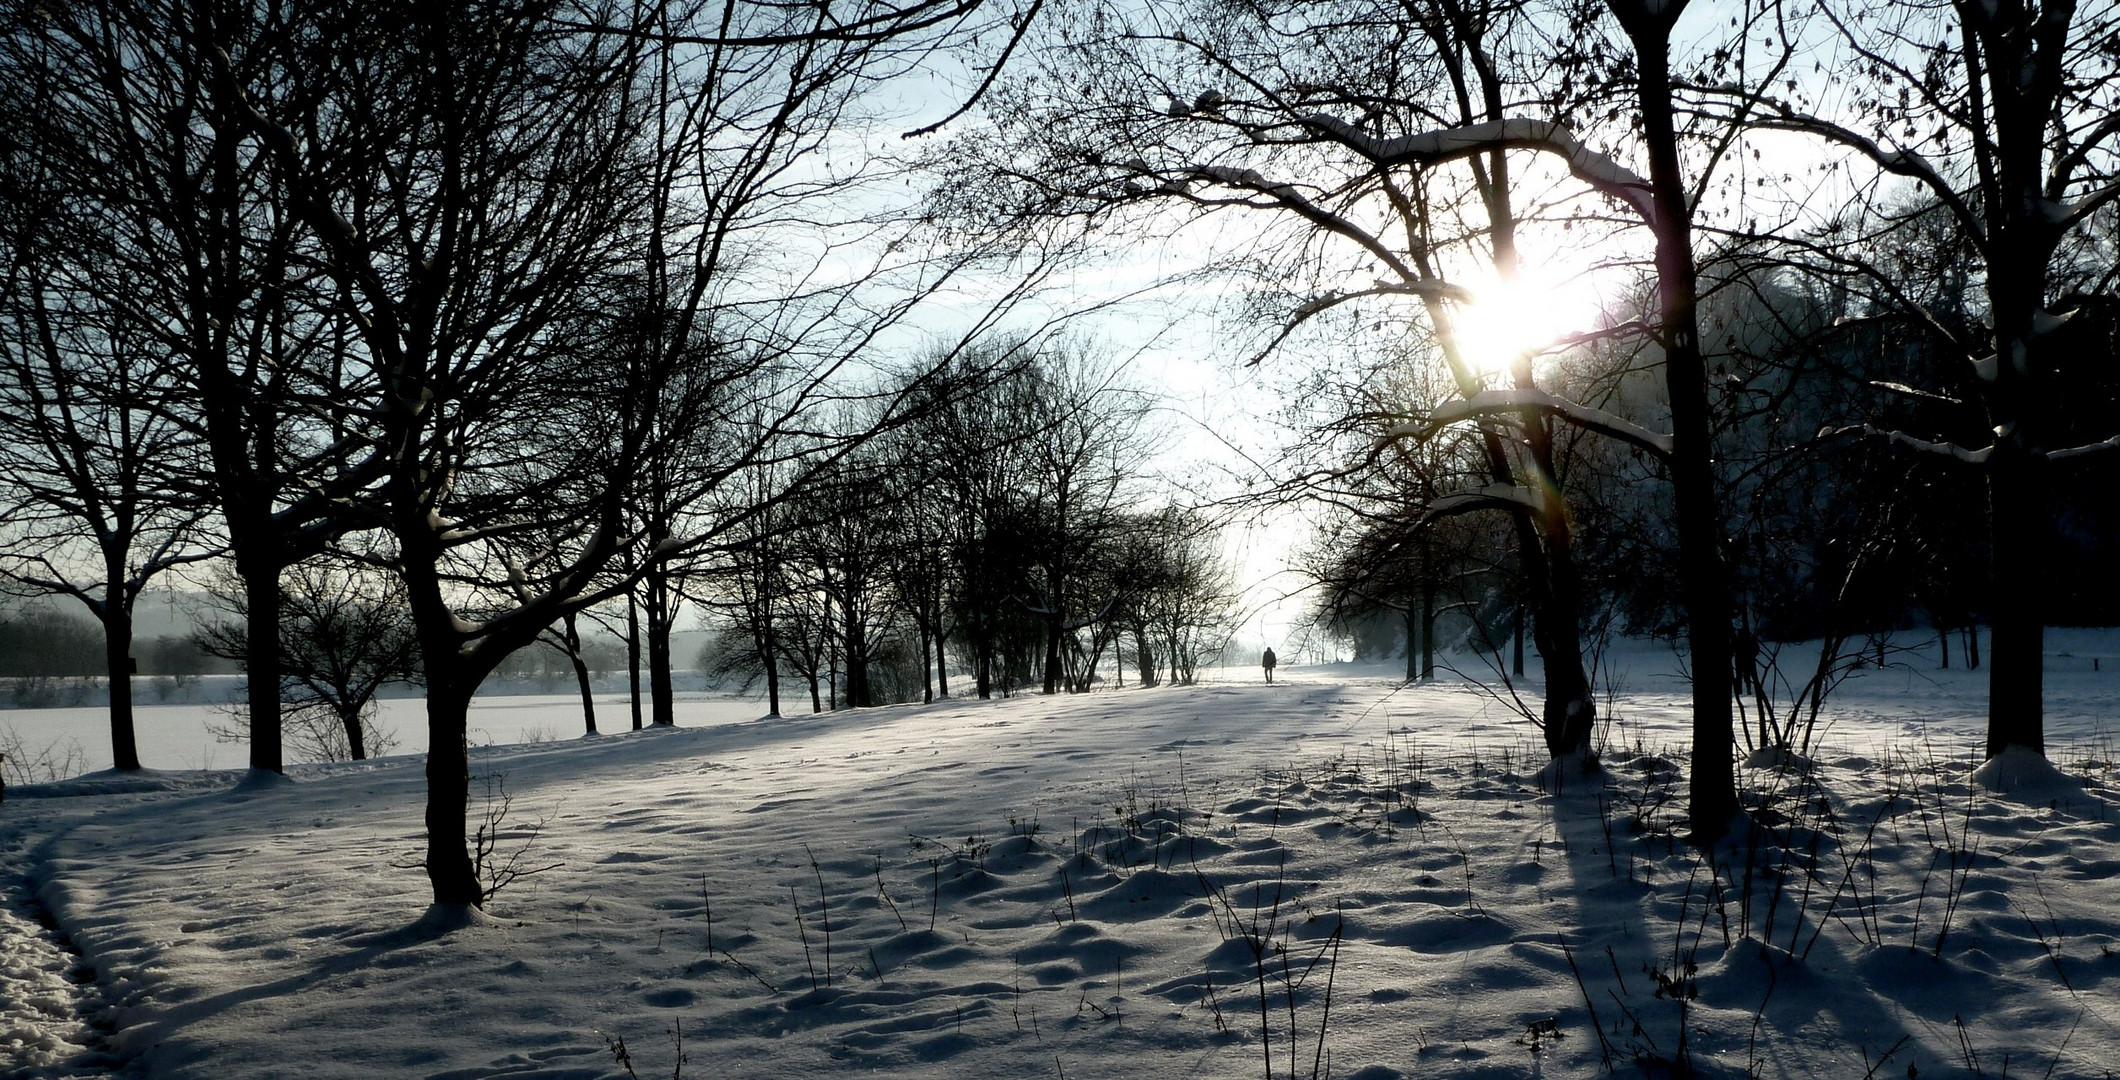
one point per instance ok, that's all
(450, 870)
(2016, 676)
(1571, 709)
(661, 613)
(261, 594)
(927, 676)
(769, 656)
(1410, 616)
(581, 672)
(1516, 647)
(633, 654)
(1570, 712)
(1052, 647)
(356, 733)
(983, 673)
(1428, 587)
(1144, 655)
(1703, 585)
(117, 659)
(942, 664)
(857, 648)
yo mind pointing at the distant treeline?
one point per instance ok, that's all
(41, 643)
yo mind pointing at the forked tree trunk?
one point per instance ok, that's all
(349, 711)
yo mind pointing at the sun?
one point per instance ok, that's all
(1534, 312)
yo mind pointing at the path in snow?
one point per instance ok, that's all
(46, 992)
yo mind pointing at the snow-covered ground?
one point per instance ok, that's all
(1332, 875)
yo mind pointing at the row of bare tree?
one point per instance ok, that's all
(526, 296)
(1002, 524)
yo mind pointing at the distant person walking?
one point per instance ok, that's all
(1268, 662)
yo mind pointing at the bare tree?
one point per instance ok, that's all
(478, 192)
(746, 586)
(1176, 588)
(1082, 433)
(2004, 115)
(97, 482)
(344, 635)
(193, 261)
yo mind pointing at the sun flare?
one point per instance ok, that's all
(1503, 320)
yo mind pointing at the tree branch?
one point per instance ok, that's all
(1499, 402)
(1449, 144)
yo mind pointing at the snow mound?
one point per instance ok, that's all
(2025, 773)
(118, 782)
(262, 780)
(1779, 758)
(1572, 771)
(447, 918)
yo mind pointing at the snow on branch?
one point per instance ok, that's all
(1901, 438)
(1902, 162)
(2069, 215)
(1253, 180)
(2089, 450)
(1960, 453)
(1492, 402)
(1449, 144)
(1426, 289)
(1504, 497)
(1914, 391)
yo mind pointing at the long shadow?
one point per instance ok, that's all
(1669, 958)
(1610, 933)
(165, 1031)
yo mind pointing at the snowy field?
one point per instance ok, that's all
(180, 736)
(1331, 876)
